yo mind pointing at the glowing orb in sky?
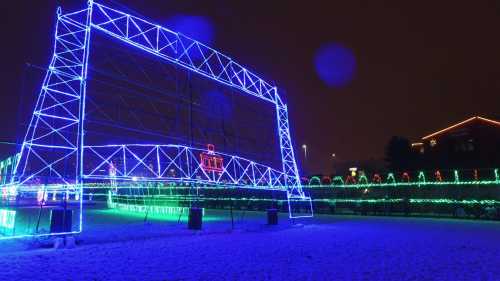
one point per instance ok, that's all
(217, 102)
(335, 65)
(198, 28)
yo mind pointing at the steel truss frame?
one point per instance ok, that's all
(176, 163)
(54, 150)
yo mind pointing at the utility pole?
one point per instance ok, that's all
(304, 147)
(333, 163)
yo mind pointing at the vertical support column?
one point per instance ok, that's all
(295, 194)
(292, 178)
(50, 152)
(83, 91)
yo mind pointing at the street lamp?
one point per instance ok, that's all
(304, 147)
(333, 163)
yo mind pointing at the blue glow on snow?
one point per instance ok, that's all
(335, 65)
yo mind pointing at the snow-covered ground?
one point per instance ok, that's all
(117, 247)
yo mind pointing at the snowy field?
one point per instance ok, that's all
(125, 247)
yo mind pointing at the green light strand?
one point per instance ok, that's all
(7, 219)
(152, 209)
(181, 198)
(414, 201)
(411, 184)
(338, 179)
(148, 206)
(315, 179)
(363, 179)
(391, 179)
(421, 177)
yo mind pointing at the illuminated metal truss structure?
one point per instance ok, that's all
(54, 151)
(177, 163)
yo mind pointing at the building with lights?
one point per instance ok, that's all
(472, 143)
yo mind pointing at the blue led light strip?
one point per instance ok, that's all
(180, 49)
(162, 163)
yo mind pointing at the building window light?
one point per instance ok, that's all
(433, 142)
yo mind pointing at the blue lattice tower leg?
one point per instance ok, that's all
(51, 150)
(295, 195)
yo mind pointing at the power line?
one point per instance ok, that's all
(9, 143)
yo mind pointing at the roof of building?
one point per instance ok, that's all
(462, 123)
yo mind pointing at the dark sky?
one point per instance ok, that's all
(420, 65)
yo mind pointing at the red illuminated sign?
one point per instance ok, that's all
(211, 162)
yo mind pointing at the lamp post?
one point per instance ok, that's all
(333, 163)
(304, 147)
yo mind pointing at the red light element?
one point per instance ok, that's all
(350, 179)
(438, 176)
(377, 178)
(326, 180)
(476, 175)
(211, 162)
(211, 148)
(406, 177)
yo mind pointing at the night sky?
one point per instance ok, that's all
(404, 67)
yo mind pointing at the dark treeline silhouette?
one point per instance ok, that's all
(399, 155)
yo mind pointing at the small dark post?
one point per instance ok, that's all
(195, 218)
(61, 220)
(272, 216)
(232, 217)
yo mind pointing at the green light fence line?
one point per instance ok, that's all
(148, 205)
(181, 198)
(7, 219)
(363, 185)
(315, 183)
(414, 201)
(151, 209)
(410, 184)
(405, 179)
